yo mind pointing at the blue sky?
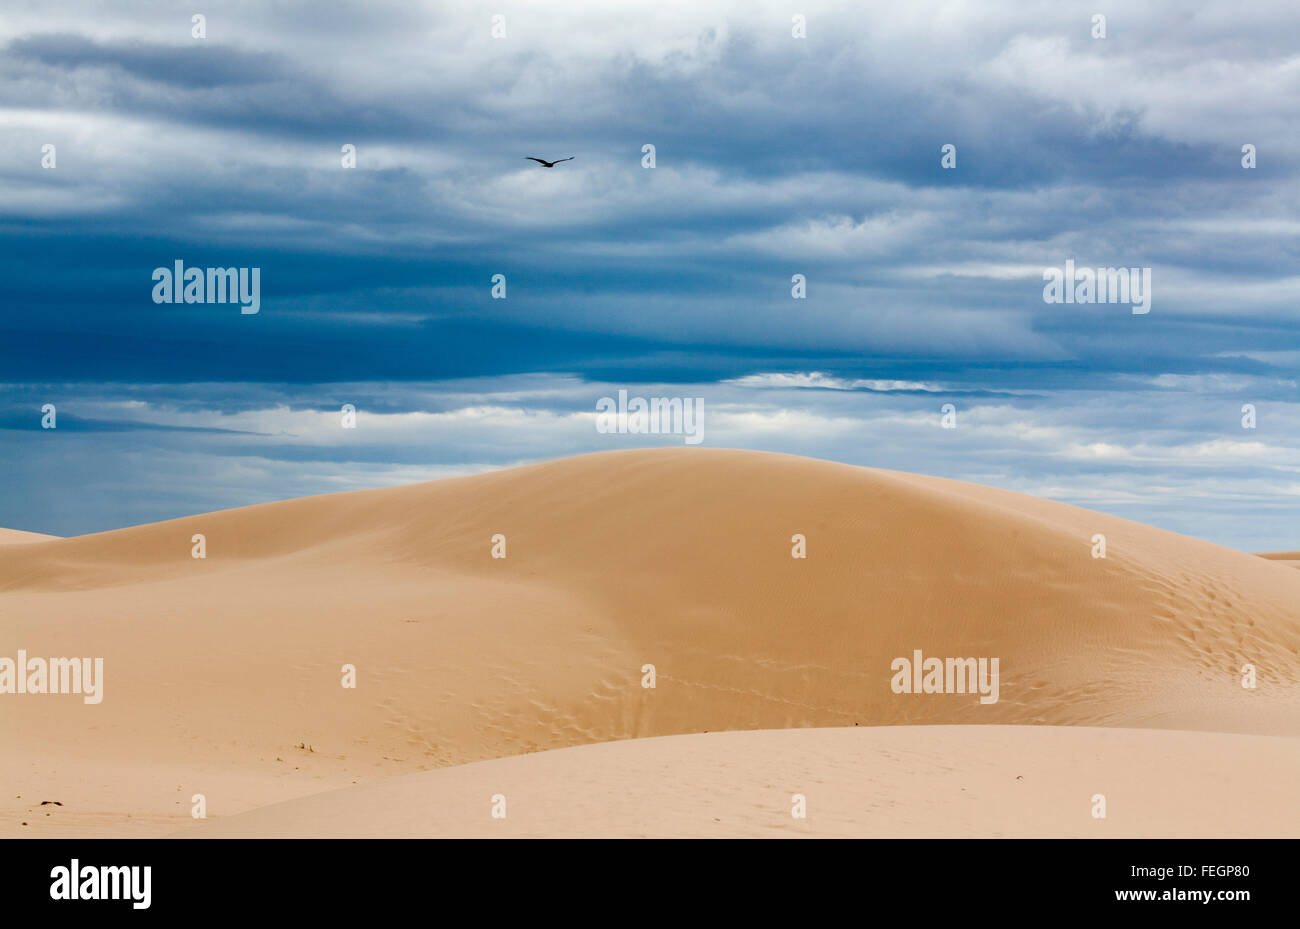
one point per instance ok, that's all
(774, 156)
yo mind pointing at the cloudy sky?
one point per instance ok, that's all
(775, 156)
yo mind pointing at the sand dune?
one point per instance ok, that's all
(896, 781)
(1291, 559)
(217, 670)
(18, 537)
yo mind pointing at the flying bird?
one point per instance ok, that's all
(546, 164)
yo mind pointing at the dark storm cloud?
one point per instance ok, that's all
(775, 156)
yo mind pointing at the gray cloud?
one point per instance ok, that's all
(775, 156)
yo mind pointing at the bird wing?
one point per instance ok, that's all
(570, 158)
(538, 160)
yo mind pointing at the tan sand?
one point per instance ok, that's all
(895, 781)
(217, 669)
(18, 537)
(1291, 559)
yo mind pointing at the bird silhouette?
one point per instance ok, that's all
(546, 164)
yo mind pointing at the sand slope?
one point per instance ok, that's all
(1291, 559)
(218, 669)
(19, 537)
(911, 781)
